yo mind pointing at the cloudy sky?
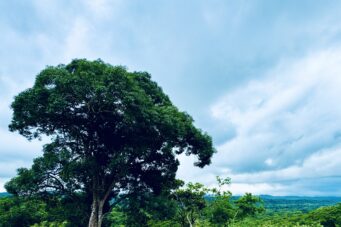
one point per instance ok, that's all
(262, 77)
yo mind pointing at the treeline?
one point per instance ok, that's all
(329, 216)
(192, 204)
(284, 204)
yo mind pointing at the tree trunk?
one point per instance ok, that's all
(189, 220)
(98, 201)
(96, 216)
(100, 213)
(93, 221)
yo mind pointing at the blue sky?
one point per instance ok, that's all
(262, 77)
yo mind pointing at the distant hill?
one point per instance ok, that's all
(4, 194)
(297, 203)
(294, 203)
(313, 198)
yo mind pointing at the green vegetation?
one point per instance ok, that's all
(285, 204)
(112, 159)
(329, 216)
(190, 205)
(4, 194)
(113, 134)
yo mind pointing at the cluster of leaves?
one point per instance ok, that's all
(49, 210)
(193, 205)
(20, 212)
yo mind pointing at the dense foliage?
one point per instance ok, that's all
(196, 205)
(113, 133)
(189, 205)
(204, 210)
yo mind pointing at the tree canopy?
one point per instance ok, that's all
(112, 132)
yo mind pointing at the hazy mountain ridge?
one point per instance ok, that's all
(4, 194)
(297, 203)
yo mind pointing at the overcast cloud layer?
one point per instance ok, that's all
(262, 77)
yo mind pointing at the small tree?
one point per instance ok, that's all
(220, 210)
(249, 205)
(112, 132)
(191, 201)
(21, 212)
(194, 201)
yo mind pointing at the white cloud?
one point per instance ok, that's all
(2, 183)
(285, 117)
(103, 8)
(288, 130)
(288, 124)
(322, 164)
(256, 188)
(16, 147)
(194, 51)
(77, 41)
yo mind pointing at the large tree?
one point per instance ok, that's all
(113, 132)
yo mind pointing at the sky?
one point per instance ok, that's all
(263, 78)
